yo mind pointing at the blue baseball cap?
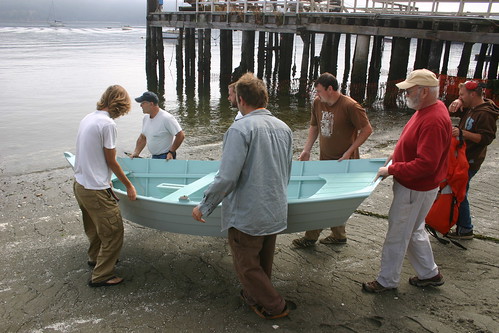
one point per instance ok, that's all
(148, 96)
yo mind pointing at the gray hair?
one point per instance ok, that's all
(433, 91)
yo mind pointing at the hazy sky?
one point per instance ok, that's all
(124, 11)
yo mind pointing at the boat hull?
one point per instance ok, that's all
(305, 211)
(321, 194)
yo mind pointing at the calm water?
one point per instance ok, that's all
(50, 78)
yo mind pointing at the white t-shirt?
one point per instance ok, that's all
(96, 132)
(239, 115)
(160, 131)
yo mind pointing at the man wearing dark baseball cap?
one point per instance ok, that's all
(419, 164)
(148, 96)
(161, 132)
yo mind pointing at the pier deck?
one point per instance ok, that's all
(374, 18)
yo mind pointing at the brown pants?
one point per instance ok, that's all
(104, 228)
(336, 232)
(253, 257)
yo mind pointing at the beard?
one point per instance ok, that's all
(413, 102)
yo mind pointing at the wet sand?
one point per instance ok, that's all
(180, 283)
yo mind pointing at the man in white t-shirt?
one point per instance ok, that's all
(95, 162)
(161, 132)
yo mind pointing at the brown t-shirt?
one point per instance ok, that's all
(338, 125)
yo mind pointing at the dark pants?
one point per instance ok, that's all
(253, 257)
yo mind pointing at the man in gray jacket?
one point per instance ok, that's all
(252, 183)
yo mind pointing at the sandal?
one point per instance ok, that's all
(375, 287)
(303, 242)
(332, 240)
(106, 283)
(265, 315)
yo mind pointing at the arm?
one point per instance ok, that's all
(110, 155)
(233, 157)
(467, 135)
(313, 133)
(364, 133)
(179, 138)
(455, 106)
(383, 171)
(139, 146)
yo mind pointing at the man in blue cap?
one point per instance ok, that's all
(161, 132)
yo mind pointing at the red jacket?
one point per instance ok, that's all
(420, 157)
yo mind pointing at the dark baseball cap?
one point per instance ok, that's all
(148, 96)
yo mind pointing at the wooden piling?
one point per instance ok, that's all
(285, 62)
(261, 54)
(445, 61)
(247, 63)
(435, 56)
(311, 75)
(268, 56)
(277, 49)
(344, 84)
(180, 60)
(204, 60)
(359, 68)
(207, 58)
(151, 61)
(190, 59)
(329, 53)
(151, 51)
(480, 61)
(462, 69)
(374, 70)
(422, 53)
(306, 38)
(494, 59)
(325, 54)
(200, 41)
(399, 60)
(226, 59)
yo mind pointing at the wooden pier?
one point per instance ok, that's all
(435, 24)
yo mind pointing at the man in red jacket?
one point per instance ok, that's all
(419, 163)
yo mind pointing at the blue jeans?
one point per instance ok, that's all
(163, 156)
(464, 220)
(160, 156)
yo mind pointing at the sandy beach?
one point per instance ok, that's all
(180, 283)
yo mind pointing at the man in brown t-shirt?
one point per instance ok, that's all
(342, 127)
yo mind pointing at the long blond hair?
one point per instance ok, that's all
(116, 100)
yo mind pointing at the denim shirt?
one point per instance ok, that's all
(253, 177)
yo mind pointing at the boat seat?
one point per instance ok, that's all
(170, 186)
(339, 182)
(185, 191)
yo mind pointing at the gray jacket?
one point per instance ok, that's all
(253, 177)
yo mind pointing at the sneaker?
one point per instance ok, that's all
(460, 235)
(375, 287)
(303, 242)
(332, 240)
(435, 281)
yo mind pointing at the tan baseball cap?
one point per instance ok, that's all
(419, 77)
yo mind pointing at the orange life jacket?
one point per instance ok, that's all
(445, 210)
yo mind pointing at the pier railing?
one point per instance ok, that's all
(460, 8)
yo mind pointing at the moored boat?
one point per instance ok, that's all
(321, 194)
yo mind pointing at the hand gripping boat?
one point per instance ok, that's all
(321, 194)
